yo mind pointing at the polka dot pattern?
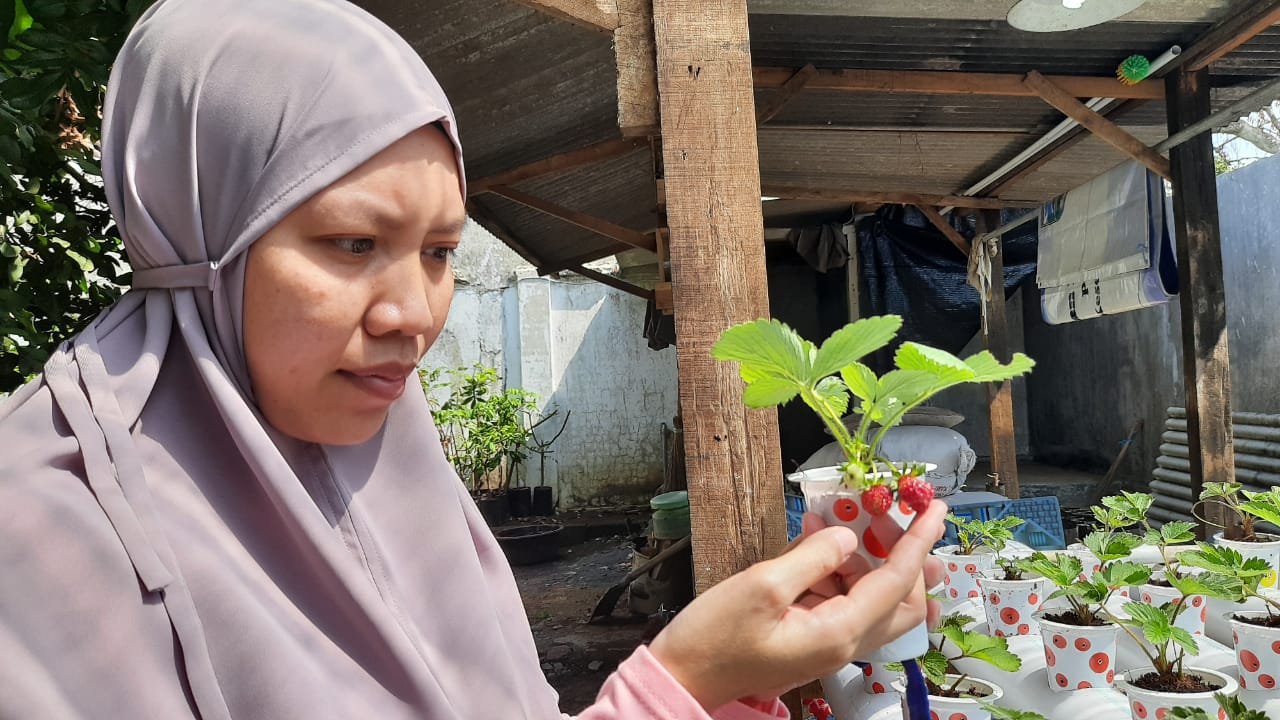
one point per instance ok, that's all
(1078, 657)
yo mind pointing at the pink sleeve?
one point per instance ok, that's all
(642, 689)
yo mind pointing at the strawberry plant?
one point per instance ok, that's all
(779, 366)
(1088, 598)
(1248, 507)
(1004, 713)
(993, 534)
(939, 667)
(1240, 577)
(1168, 644)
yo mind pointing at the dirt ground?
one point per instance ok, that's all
(559, 597)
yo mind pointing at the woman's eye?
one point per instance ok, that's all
(441, 253)
(355, 246)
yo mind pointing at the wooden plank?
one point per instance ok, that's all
(600, 226)
(487, 221)
(596, 15)
(1004, 447)
(1252, 18)
(1252, 102)
(637, 69)
(945, 228)
(599, 253)
(784, 94)
(1113, 134)
(613, 282)
(556, 164)
(890, 198)
(1206, 367)
(663, 297)
(930, 82)
(717, 255)
(661, 237)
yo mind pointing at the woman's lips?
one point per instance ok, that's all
(382, 387)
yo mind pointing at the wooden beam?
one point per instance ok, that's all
(556, 164)
(929, 82)
(599, 253)
(613, 231)
(945, 228)
(613, 282)
(1252, 18)
(637, 69)
(784, 94)
(891, 198)
(1206, 369)
(1004, 446)
(1113, 134)
(487, 221)
(664, 298)
(596, 15)
(710, 159)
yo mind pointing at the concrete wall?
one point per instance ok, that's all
(1095, 378)
(579, 345)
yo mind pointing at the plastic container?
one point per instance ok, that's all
(670, 515)
(795, 515)
(1041, 530)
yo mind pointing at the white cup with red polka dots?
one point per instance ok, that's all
(1257, 652)
(966, 708)
(1155, 704)
(1011, 605)
(877, 679)
(960, 572)
(1078, 657)
(1191, 618)
(825, 494)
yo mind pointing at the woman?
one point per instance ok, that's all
(220, 502)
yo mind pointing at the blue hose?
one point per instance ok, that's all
(917, 691)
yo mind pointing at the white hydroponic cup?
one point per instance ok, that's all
(958, 708)
(1078, 657)
(826, 495)
(1268, 551)
(1153, 705)
(1011, 605)
(1257, 653)
(960, 572)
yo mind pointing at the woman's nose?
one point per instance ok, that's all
(402, 302)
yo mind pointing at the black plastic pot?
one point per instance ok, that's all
(494, 508)
(542, 501)
(530, 544)
(521, 500)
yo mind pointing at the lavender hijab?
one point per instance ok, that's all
(164, 552)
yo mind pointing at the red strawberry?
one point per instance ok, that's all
(877, 499)
(916, 493)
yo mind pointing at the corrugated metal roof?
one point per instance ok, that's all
(527, 86)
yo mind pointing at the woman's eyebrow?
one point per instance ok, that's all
(452, 228)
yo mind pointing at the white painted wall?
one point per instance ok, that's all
(579, 345)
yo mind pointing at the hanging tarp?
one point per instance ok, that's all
(908, 268)
(1106, 247)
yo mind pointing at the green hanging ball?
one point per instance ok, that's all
(1133, 70)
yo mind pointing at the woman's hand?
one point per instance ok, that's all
(783, 622)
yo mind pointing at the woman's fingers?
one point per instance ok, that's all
(809, 563)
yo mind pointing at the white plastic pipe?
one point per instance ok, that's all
(1096, 104)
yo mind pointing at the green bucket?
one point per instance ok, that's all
(670, 515)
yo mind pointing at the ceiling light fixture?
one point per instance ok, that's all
(1060, 15)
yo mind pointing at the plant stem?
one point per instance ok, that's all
(959, 680)
(1141, 646)
(834, 424)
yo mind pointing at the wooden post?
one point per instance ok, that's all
(1004, 447)
(1202, 295)
(718, 276)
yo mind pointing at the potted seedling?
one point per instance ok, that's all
(870, 495)
(950, 691)
(1255, 634)
(1158, 590)
(979, 543)
(1248, 508)
(1010, 595)
(1168, 681)
(1080, 640)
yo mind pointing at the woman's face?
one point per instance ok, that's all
(344, 295)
